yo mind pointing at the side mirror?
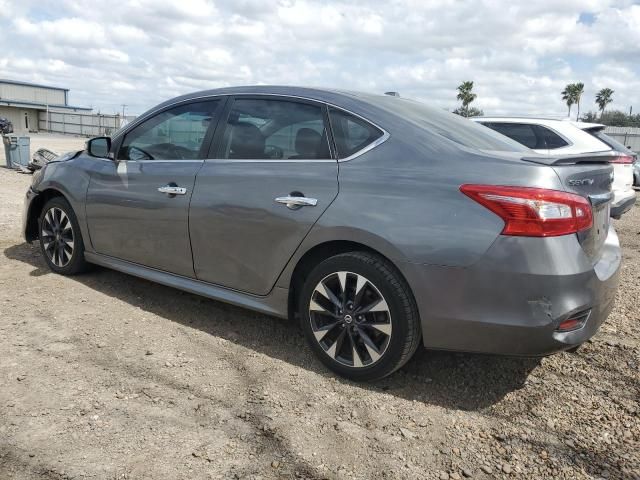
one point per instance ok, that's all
(99, 147)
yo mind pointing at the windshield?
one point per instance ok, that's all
(454, 127)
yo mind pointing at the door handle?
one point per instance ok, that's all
(173, 190)
(296, 202)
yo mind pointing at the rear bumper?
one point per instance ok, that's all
(513, 300)
(622, 202)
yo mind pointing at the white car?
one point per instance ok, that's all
(553, 137)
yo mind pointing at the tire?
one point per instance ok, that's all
(372, 332)
(60, 238)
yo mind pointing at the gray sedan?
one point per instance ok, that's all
(377, 222)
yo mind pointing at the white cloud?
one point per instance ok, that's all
(519, 54)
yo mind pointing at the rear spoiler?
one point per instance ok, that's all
(597, 157)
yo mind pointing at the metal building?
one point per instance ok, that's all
(25, 103)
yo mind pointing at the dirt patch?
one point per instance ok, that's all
(108, 376)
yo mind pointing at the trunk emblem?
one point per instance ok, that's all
(579, 183)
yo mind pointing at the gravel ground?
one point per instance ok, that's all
(111, 377)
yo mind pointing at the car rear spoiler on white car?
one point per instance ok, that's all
(596, 157)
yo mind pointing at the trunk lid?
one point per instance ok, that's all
(589, 175)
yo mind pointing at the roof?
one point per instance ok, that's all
(39, 106)
(320, 94)
(27, 84)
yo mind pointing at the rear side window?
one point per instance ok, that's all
(261, 129)
(351, 133)
(520, 132)
(549, 138)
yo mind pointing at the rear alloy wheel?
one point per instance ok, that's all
(359, 316)
(60, 238)
(350, 319)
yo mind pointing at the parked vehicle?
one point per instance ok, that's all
(559, 137)
(5, 126)
(40, 158)
(378, 222)
(619, 147)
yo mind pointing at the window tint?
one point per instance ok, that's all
(275, 129)
(175, 134)
(351, 133)
(609, 141)
(549, 139)
(453, 127)
(520, 132)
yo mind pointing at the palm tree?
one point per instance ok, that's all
(466, 96)
(578, 90)
(603, 98)
(568, 97)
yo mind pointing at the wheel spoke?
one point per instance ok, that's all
(342, 278)
(327, 293)
(377, 306)
(335, 347)
(321, 332)
(381, 327)
(49, 218)
(371, 347)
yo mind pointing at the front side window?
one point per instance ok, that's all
(175, 134)
(275, 129)
(351, 133)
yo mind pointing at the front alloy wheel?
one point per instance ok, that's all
(60, 238)
(57, 237)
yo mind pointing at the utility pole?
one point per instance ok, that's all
(124, 105)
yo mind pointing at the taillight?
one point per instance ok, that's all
(625, 159)
(534, 212)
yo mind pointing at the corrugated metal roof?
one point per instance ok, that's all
(28, 84)
(40, 106)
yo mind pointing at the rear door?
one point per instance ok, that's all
(138, 205)
(270, 175)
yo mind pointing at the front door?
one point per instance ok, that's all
(138, 205)
(268, 179)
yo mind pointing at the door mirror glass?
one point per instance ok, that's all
(99, 147)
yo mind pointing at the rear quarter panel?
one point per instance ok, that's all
(402, 199)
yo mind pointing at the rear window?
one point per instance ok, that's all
(611, 142)
(453, 127)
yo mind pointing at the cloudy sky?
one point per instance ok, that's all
(520, 54)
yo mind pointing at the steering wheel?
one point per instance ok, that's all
(273, 151)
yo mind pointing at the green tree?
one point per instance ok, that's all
(469, 112)
(568, 96)
(578, 90)
(572, 94)
(466, 96)
(604, 98)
